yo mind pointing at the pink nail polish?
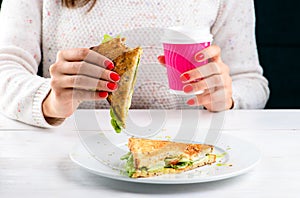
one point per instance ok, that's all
(188, 88)
(199, 57)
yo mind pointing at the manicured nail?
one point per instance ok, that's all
(112, 86)
(191, 102)
(185, 77)
(103, 94)
(114, 76)
(161, 59)
(109, 65)
(199, 57)
(188, 88)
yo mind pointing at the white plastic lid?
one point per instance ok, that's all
(186, 35)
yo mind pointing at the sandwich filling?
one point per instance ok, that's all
(115, 123)
(170, 162)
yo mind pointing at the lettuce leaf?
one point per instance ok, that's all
(114, 122)
(129, 166)
(107, 37)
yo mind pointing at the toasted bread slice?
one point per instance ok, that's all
(126, 62)
(112, 48)
(156, 157)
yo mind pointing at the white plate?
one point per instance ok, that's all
(240, 157)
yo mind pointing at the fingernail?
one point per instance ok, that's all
(199, 57)
(188, 88)
(191, 102)
(109, 65)
(185, 77)
(161, 59)
(114, 76)
(112, 86)
(103, 94)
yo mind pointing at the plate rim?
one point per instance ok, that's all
(149, 180)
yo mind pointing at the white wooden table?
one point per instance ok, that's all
(34, 162)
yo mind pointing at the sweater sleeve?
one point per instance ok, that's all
(22, 91)
(234, 32)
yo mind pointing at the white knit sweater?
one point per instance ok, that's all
(32, 32)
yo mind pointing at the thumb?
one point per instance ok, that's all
(161, 60)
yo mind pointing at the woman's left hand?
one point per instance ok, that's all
(213, 79)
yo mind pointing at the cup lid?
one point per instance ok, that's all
(186, 35)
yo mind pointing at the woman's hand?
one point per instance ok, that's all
(78, 75)
(213, 79)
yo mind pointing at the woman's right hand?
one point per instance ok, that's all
(78, 75)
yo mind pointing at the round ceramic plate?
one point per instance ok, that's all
(234, 157)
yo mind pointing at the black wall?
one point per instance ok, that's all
(278, 40)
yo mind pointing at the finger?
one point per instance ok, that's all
(87, 55)
(98, 59)
(212, 51)
(85, 95)
(88, 69)
(212, 100)
(87, 83)
(208, 83)
(161, 60)
(208, 91)
(217, 107)
(220, 106)
(212, 68)
(76, 54)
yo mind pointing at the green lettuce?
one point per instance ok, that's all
(107, 37)
(129, 166)
(114, 122)
(182, 163)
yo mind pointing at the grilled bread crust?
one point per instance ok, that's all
(112, 48)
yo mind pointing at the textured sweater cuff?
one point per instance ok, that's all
(37, 112)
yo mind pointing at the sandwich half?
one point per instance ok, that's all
(126, 61)
(156, 157)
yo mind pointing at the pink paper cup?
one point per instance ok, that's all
(179, 49)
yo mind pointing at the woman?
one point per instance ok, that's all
(54, 37)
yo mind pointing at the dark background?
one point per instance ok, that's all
(278, 40)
